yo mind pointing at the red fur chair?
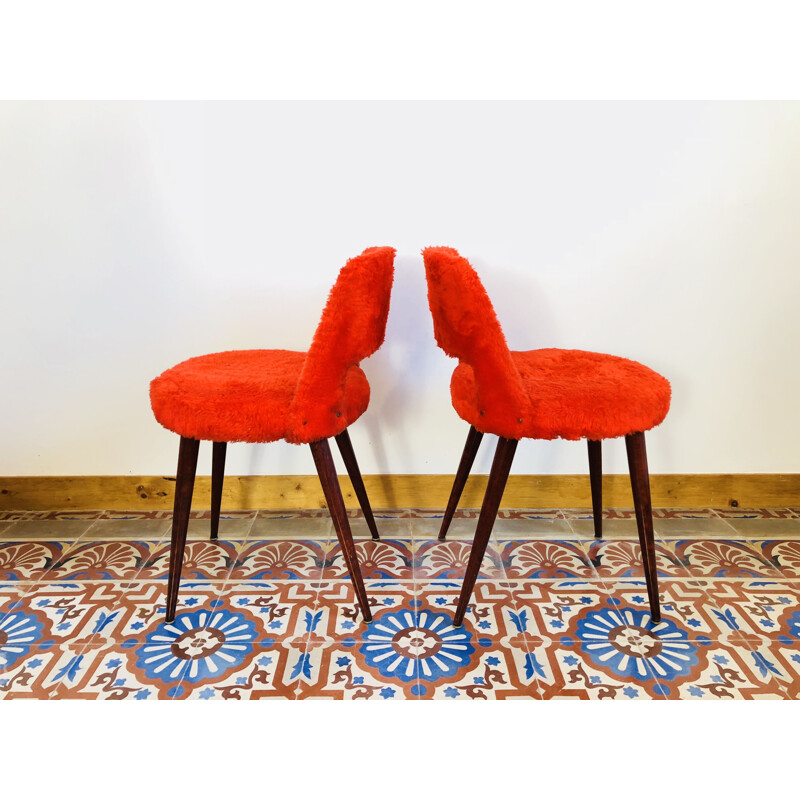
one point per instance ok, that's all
(537, 394)
(266, 395)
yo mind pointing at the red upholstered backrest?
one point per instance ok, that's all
(466, 327)
(352, 327)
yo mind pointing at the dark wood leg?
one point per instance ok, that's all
(640, 485)
(474, 438)
(501, 465)
(596, 479)
(333, 496)
(351, 465)
(184, 486)
(217, 476)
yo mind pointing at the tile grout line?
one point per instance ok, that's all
(43, 578)
(726, 521)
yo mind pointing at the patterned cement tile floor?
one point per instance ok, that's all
(268, 611)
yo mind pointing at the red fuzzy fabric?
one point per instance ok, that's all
(265, 395)
(539, 394)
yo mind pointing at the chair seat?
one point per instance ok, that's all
(244, 396)
(573, 394)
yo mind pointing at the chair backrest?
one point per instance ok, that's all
(466, 327)
(352, 327)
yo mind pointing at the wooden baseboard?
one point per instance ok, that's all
(34, 493)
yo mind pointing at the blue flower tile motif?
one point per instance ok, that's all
(197, 646)
(793, 624)
(402, 647)
(623, 640)
(18, 633)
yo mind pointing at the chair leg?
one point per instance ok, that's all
(351, 465)
(640, 485)
(184, 486)
(217, 477)
(333, 496)
(501, 465)
(473, 442)
(596, 479)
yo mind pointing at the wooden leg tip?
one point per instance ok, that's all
(376, 538)
(441, 538)
(367, 618)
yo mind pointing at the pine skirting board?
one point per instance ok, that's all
(42, 493)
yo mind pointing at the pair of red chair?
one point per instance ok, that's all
(306, 398)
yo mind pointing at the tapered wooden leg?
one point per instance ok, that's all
(184, 486)
(640, 485)
(333, 496)
(596, 479)
(351, 465)
(474, 438)
(501, 466)
(217, 476)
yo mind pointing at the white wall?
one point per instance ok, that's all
(133, 236)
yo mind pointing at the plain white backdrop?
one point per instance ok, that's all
(134, 235)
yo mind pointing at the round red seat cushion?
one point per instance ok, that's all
(573, 394)
(244, 396)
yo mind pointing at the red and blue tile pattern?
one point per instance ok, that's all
(268, 611)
